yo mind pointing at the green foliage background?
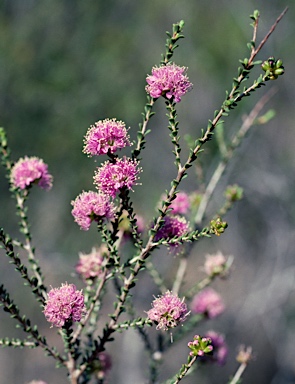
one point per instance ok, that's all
(67, 63)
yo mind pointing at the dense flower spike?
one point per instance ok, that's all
(91, 206)
(111, 177)
(220, 349)
(173, 226)
(64, 304)
(168, 311)
(29, 170)
(200, 346)
(208, 302)
(169, 81)
(215, 264)
(90, 265)
(105, 136)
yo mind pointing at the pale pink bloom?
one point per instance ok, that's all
(168, 311)
(111, 177)
(180, 205)
(105, 136)
(90, 265)
(91, 206)
(64, 304)
(208, 302)
(215, 264)
(173, 226)
(29, 170)
(220, 349)
(169, 81)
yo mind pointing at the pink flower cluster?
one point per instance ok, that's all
(111, 177)
(173, 226)
(90, 265)
(105, 136)
(169, 81)
(208, 302)
(29, 170)
(64, 304)
(168, 311)
(215, 264)
(91, 206)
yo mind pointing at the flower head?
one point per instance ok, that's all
(90, 265)
(173, 226)
(168, 311)
(91, 206)
(29, 170)
(105, 136)
(169, 81)
(220, 349)
(113, 176)
(64, 304)
(215, 264)
(208, 302)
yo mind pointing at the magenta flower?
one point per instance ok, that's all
(111, 177)
(168, 311)
(91, 206)
(105, 136)
(173, 226)
(29, 170)
(220, 349)
(169, 81)
(215, 264)
(64, 304)
(208, 302)
(90, 265)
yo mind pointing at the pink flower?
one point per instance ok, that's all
(91, 206)
(29, 170)
(208, 302)
(180, 205)
(105, 136)
(215, 264)
(169, 81)
(64, 304)
(220, 349)
(111, 177)
(90, 265)
(168, 311)
(173, 226)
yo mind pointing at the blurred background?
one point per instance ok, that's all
(66, 64)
